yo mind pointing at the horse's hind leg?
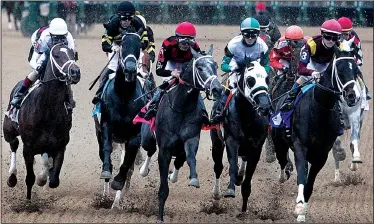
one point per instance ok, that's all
(355, 138)
(30, 176)
(253, 157)
(218, 147)
(41, 179)
(281, 152)
(232, 147)
(106, 150)
(10, 135)
(178, 163)
(339, 155)
(269, 147)
(54, 175)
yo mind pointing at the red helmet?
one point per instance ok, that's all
(331, 26)
(345, 23)
(185, 29)
(294, 33)
(260, 6)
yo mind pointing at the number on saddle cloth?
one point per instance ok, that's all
(283, 119)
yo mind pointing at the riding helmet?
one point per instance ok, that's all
(294, 33)
(263, 20)
(58, 26)
(345, 23)
(185, 29)
(331, 26)
(250, 24)
(126, 8)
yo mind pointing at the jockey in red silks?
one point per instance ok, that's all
(282, 53)
(347, 34)
(174, 52)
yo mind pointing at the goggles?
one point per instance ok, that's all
(126, 18)
(186, 41)
(250, 35)
(346, 33)
(329, 37)
(296, 43)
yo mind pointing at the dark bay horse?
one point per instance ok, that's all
(245, 131)
(118, 110)
(44, 121)
(179, 120)
(315, 126)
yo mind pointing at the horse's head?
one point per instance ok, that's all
(130, 52)
(256, 87)
(204, 73)
(63, 65)
(344, 71)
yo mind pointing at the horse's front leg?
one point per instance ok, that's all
(30, 176)
(12, 179)
(106, 134)
(218, 147)
(339, 155)
(54, 175)
(232, 147)
(41, 179)
(148, 143)
(164, 158)
(355, 138)
(191, 146)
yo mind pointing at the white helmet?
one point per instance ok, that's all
(143, 20)
(58, 27)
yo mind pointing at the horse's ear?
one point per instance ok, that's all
(210, 52)
(194, 53)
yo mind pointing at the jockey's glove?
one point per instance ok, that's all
(116, 48)
(152, 56)
(39, 69)
(316, 75)
(285, 69)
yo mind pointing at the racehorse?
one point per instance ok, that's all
(245, 131)
(315, 125)
(118, 109)
(179, 120)
(353, 117)
(15, 9)
(44, 122)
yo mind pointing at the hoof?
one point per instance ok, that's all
(54, 184)
(282, 179)
(194, 182)
(217, 196)
(173, 178)
(353, 166)
(12, 180)
(230, 193)
(117, 185)
(106, 175)
(159, 221)
(144, 172)
(299, 210)
(239, 180)
(41, 181)
(300, 218)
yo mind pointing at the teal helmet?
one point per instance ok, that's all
(250, 24)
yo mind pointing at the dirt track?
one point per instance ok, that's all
(75, 200)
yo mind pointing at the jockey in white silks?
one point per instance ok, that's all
(240, 50)
(57, 32)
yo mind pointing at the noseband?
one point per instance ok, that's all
(130, 55)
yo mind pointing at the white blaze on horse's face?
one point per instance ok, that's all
(255, 80)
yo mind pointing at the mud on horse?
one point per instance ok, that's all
(44, 122)
(315, 126)
(179, 120)
(245, 131)
(118, 109)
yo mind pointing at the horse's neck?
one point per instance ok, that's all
(123, 89)
(244, 107)
(182, 99)
(325, 98)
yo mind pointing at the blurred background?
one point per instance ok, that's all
(27, 16)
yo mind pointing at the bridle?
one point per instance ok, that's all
(130, 55)
(65, 76)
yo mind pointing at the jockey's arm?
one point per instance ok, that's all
(264, 60)
(144, 39)
(225, 66)
(162, 61)
(151, 45)
(357, 50)
(305, 54)
(106, 42)
(71, 41)
(274, 59)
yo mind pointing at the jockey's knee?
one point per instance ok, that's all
(302, 79)
(32, 76)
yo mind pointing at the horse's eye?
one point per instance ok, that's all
(251, 82)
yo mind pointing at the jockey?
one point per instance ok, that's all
(57, 32)
(347, 34)
(273, 30)
(174, 52)
(264, 21)
(240, 49)
(315, 57)
(114, 28)
(34, 39)
(151, 47)
(282, 53)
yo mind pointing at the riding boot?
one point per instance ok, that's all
(18, 97)
(288, 103)
(153, 106)
(218, 108)
(104, 78)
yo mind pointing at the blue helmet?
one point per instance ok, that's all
(250, 24)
